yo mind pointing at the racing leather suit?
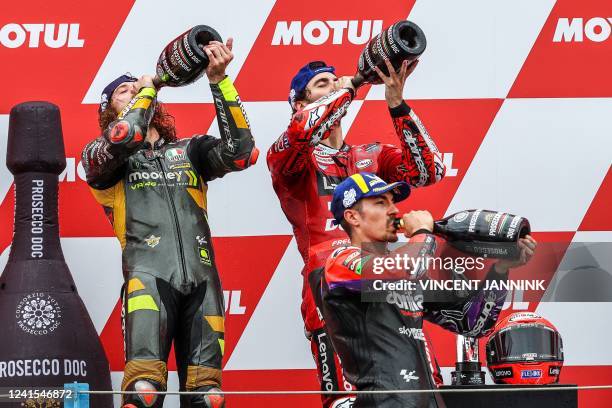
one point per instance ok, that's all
(304, 174)
(155, 197)
(378, 333)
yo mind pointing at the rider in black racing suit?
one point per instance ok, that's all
(377, 330)
(154, 193)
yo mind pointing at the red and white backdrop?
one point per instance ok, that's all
(517, 95)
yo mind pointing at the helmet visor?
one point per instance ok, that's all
(530, 342)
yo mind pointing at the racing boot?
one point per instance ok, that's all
(143, 399)
(205, 400)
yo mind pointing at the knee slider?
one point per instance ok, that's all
(208, 400)
(143, 399)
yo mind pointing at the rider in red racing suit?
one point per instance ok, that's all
(305, 169)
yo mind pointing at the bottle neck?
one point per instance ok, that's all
(36, 230)
(439, 227)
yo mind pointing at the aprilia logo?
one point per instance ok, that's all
(596, 29)
(319, 32)
(406, 301)
(54, 36)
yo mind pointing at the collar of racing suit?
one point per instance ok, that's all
(158, 143)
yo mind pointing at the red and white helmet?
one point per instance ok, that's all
(525, 348)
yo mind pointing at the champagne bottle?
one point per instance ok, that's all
(404, 40)
(48, 338)
(182, 61)
(482, 232)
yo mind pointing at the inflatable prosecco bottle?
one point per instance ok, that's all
(48, 338)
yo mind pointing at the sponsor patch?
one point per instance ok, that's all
(524, 316)
(408, 375)
(531, 373)
(175, 155)
(204, 256)
(413, 332)
(152, 241)
(281, 144)
(374, 180)
(143, 184)
(185, 165)
(38, 314)
(505, 372)
(473, 220)
(350, 258)
(362, 164)
(529, 356)
(326, 184)
(349, 198)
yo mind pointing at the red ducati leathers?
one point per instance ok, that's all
(305, 172)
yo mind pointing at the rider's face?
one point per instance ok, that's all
(376, 219)
(320, 85)
(122, 95)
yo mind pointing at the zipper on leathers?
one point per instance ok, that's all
(176, 223)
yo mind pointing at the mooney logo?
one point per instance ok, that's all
(53, 35)
(596, 29)
(319, 32)
(169, 175)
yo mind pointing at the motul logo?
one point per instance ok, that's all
(596, 29)
(232, 302)
(321, 32)
(53, 35)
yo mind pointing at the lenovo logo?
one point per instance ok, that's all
(14, 35)
(321, 32)
(596, 29)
